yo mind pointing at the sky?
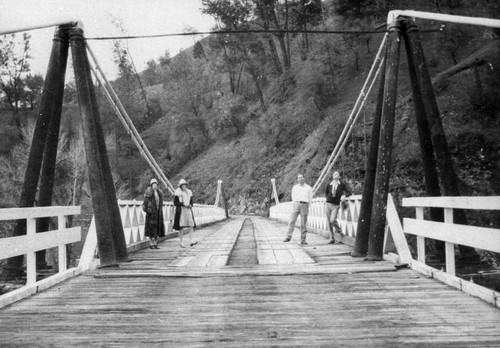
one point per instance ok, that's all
(137, 17)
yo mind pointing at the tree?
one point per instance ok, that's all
(152, 74)
(14, 56)
(186, 88)
(238, 52)
(455, 37)
(265, 11)
(352, 7)
(199, 51)
(34, 84)
(70, 96)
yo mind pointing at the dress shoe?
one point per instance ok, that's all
(331, 241)
(286, 240)
(303, 243)
(193, 243)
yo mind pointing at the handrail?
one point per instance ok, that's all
(32, 242)
(452, 234)
(479, 21)
(479, 203)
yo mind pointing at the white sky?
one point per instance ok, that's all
(138, 17)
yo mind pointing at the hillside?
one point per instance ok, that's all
(298, 133)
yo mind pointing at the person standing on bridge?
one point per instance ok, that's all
(301, 197)
(153, 206)
(184, 217)
(333, 194)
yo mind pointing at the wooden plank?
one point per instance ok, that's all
(300, 256)
(283, 256)
(20, 245)
(476, 237)
(396, 230)
(201, 259)
(337, 301)
(265, 256)
(396, 309)
(37, 212)
(472, 202)
(487, 295)
(25, 291)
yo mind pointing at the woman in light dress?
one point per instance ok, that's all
(184, 218)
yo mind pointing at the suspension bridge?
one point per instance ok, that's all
(241, 285)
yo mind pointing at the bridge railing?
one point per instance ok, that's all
(32, 242)
(133, 221)
(317, 221)
(452, 234)
(134, 218)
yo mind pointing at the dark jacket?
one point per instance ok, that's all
(334, 197)
(178, 209)
(154, 226)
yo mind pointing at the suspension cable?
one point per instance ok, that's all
(127, 122)
(349, 129)
(355, 111)
(253, 31)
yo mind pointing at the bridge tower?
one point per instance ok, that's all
(39, 176)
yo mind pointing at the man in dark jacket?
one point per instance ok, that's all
(334, 191)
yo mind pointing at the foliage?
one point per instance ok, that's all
(33, 90)
(454, 38)
(18, 89)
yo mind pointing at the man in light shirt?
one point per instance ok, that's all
(301, 197)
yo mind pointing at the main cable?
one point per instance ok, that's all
(255, 31)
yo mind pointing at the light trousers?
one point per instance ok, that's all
(301, 209)
(332, 211)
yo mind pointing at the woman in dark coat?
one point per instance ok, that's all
(184, 218)
(153, 206)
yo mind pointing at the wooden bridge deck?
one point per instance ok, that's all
(315, 296)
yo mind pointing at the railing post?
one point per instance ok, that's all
(224, 199)
(62, 254)
(449, 247)
(275, 192)
(420, 239)
(31, 256)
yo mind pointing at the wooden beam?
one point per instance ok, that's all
(383, 174)
(88, 109)
(396, 230)
(21, 245)
(476, 202)
(365, 214)
(37, 212)
(476, 237)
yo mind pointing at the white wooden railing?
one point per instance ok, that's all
(452, 234)
(133, 220)
(316, 219)
(32, 242)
